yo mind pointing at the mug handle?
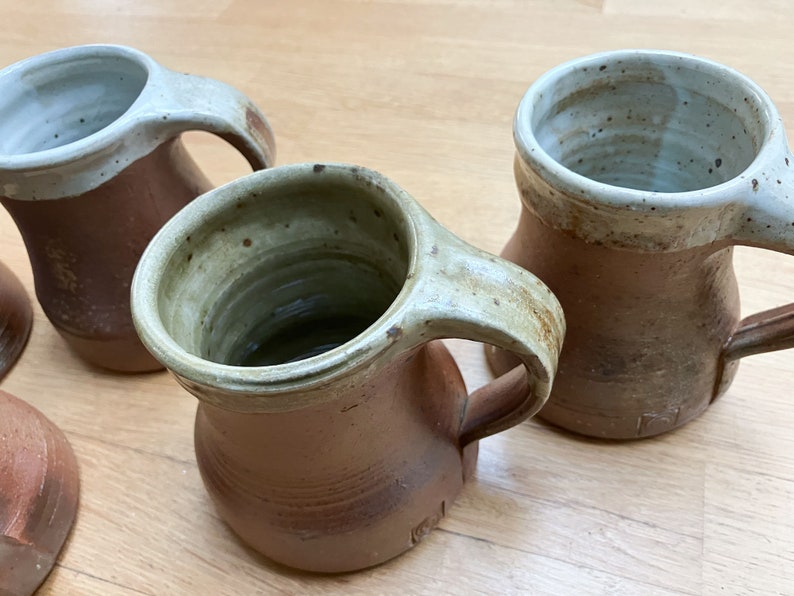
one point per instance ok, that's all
(189, 102)
(471, 294)
(766, 331)
(767, 221)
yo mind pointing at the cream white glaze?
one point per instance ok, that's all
(654, 150)
(74, 118)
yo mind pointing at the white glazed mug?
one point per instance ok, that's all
(91, 165)
(638, 172)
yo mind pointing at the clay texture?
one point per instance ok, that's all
(301, 306)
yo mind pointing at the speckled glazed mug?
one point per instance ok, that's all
(91, 165)
(300, 305)
(638, 172)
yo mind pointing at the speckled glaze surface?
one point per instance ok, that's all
(91, 165)
(39, 488)
(16, 319)
(638, 171)
(301, 306)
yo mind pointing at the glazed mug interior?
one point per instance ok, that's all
(648, 122)
(53, 102)
(301, 274)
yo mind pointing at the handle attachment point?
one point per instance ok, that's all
(766, 331)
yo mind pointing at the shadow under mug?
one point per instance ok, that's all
(638, 172)
(300, 305)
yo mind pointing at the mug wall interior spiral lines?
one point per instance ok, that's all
(662, 126)
(52, 104)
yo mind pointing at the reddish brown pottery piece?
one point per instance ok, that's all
(16, 318)
(39, 488)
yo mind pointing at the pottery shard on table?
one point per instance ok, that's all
(16, 317)
(39, 488)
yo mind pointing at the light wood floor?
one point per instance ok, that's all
(424, 91)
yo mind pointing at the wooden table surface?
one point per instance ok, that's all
(424, 91)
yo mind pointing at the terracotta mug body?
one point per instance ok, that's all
(91, 165)
(638, 172)
(301, 306)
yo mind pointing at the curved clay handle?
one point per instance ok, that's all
(470, 294)
(190, 102)
(767, 222)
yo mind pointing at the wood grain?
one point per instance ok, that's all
(424, 91)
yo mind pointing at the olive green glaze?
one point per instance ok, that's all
(349, 433)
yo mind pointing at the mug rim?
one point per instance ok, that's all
(95, 141)
(376, 339)
(649, 202)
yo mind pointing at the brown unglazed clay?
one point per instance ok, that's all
(638, 171)
(92, 165)
(84, 249)
(646, 331)
(301, 306)
(16, 319)
(39, 488)
(344, 484)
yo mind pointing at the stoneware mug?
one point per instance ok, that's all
(638, 172)
(91, 165)
(299, 305)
